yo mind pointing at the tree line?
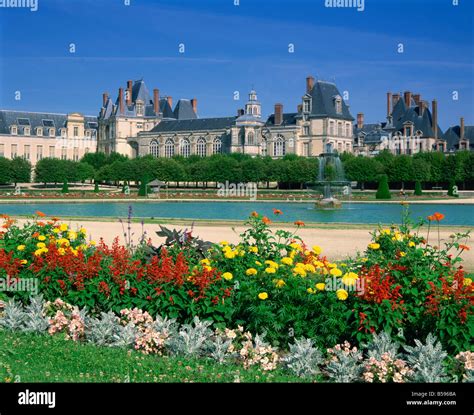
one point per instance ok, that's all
(431, 168)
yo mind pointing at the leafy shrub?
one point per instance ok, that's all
(344, 364)
(304, 359)
(383, 191)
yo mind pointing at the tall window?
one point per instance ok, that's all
(251, 138)
(306, 105)
(26, 152)
(201, 147)
(185, 147)
(338, 105)
(2, 150)
(76, 131)
(306, 149)
(279, 149)
(27, 131)
(155, 148)
(217, 146)
(14, 150)
(63, 153)
(348, 130)
(76, 154)
(339, 129)
(169, 148)
(39, 153)
(52, 151)
(331, 128)
(51, 132)
(306, 130)
(139, 108)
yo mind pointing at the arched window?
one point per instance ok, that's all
(169, 148)
(217, 146)
(154, 149)
(251, 138)
(201, 150)
(185, 147)
(279, 148)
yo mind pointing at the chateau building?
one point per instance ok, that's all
(34, 135)
(138, 125)
(410, 128)
(460, 137)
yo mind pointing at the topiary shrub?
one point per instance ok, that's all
(452, 189)
(418, 189)
(383, 191)
(144, 188)
(65, 188)
(96, 187)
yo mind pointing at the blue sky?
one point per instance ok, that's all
(232, 48)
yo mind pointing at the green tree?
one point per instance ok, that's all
(20, 170)
(362, 169)
(401, 169)
(5, 171)
(383, 191)
(84, 171)
(49, 170)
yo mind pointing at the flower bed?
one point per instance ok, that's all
(270, 282)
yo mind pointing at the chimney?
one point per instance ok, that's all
(395, 99)
(170, 101)
(407, 98)
(129, 92)
(462, 129)
(417, 98)
(120, 100)
(360, 120)
(278, 114)
(435, 117)
(194, 103)
(105, 97)
(389, 104)
(309, 84)
(156, 101)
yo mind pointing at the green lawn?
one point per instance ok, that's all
(42, 358)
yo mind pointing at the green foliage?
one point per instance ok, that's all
(452, 189)
(418, 189)
(143, 190)
(20, 170)
(383, 191)
(65, 188)
(5, 172)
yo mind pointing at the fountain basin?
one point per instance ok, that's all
(329, 203)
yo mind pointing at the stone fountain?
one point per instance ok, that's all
(331, 180)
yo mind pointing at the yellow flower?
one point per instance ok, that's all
(411, 244)
(317, 249)
(342, 294)
(41, 245)
(270, 270)
(331, 265)
(83, 231)
(23, 262)
(207, 268)
(364, 259)
(21, 247)
(41, 238)
(310, 291)
(335, 272)
(385, 231)
(287, 261)
(205, 261)
(38, 252)
(61, 251)
(56, 230)
(258, 263)
(280, 283)
(63, 241)
(63, 227)
(227, 276)
(296, 246)
(253, 249)
(224, 243)
(74, 251)
(272, 264)
(72, 235)
(251, 271)
(467, 282)
(318, 264)
(320, 286)
(241, 253)
(310, 268)
(263, 296)
(299, 271)
(374, 246)
(230, 254)
(402, 254)
(350, 279)
(92, 243)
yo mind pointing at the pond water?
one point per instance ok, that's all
(456, 214)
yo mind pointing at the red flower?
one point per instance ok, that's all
(277, 212)
(266, 221)
(104, 288)
(299, 223)
(40, 214)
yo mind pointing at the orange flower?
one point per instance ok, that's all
(464, 247)
(254, 214)
(41, 224)
(35, 235)
(40, 214)
(438, 216)
(54, 219)
(299, 223)
(266, 221)
(277, 212)
(431, 218)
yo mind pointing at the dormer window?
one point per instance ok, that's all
(338, 104)
(307, 105)
(88, 133)
(39, 131)
(27, 131)
(14, 130)
(63, 132)
(52, 132)
(140, 108)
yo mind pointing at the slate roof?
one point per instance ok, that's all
(36, 119)
(165, 108)
(184, 110)
(198, 124)
(323, 97)
(453, 135)
(288, 119)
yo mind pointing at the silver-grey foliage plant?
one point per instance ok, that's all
(304, 359)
